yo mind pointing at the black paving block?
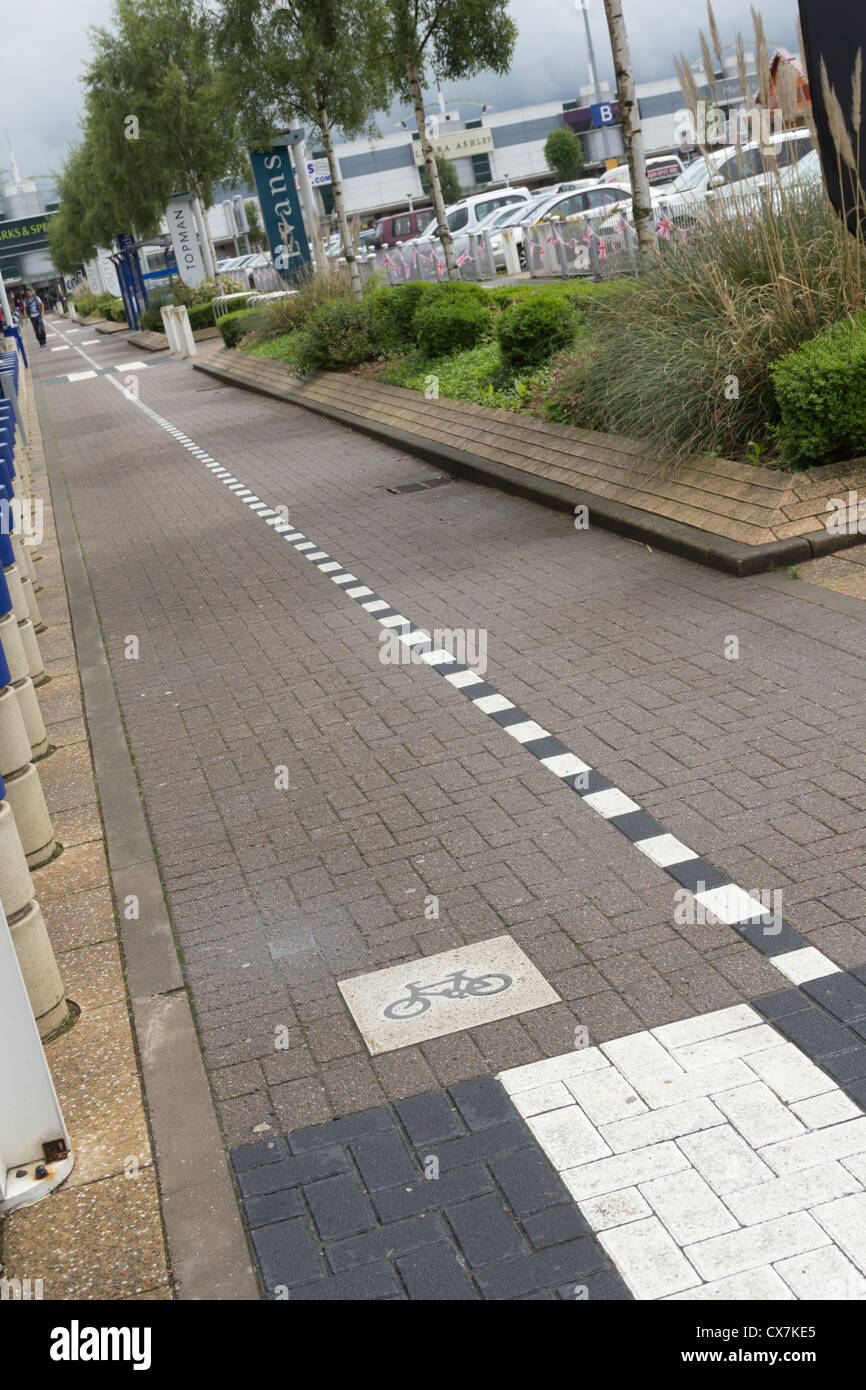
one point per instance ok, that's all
(338, 1131)
(556, 1225)
(546, 1269)
(698, 876)
(383, 1160)
(374, 1281)
(456, 1153)
(840, 994)
(485, 1232)
(254, 1155)
(436, 1274)
(397, 1238)
(506, 717)
(585, 782)
(291, 1172)
(770, 942)
(860, 972)
(548, 747)
(395, 1203)
(482, 1102)
(430, 1117)
(856, 1089)
(605, 1286)
(529, 1180)
(287, 1254)
(637, 825)
(339, 1207)
(783, 1001)
(847, 1066)
(814, 1032)
(275, 1206)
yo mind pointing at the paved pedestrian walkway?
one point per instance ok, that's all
(512, 865)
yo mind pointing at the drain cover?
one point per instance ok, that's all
(421, 487)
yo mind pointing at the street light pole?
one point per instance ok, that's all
(593, 70)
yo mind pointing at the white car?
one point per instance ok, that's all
(740, 179)
(660, 170)
(466, 215)
(587, 204)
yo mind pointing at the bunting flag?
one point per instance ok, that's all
(663, 228)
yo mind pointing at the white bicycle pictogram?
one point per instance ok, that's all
(456, 986)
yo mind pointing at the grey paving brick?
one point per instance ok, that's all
(840, 994)
(430, 1118)
(395, 1203)
(485, 1231)
(785, 1001)
(529, 1180)
(397, 1238)
(555, 1225)
(339, 1207)
(546, 1269)
(255, 1155)
(605, 1286)
(338, 1131)
(290, 1172)
(485, 1144)
(383, 1160)
(482, 1103)
(372, 1283)
(287, 1253)
(815, 1033)
(436, 1274)
(275, 1206)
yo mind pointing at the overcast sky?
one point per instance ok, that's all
(49, 46)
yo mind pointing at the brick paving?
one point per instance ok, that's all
(397, 788)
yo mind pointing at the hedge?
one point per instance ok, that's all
(233, 326)
(821, 391)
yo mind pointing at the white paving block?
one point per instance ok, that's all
(845, 1221)
(567, 1137)
(758, 1114)
(611, 802)
(526, 730)
(461, 678)
(647, 1258)
(688, 1207)
(615, 1208)
(724, 1049)
(492, 704)
(713, 1025)
(541, 1098)
(605, 1096)
(755, 1286)
(641, 1057)
(822, 1274)
(564, 764)
(657, 1125)
(624, 1170)
(756, 1245)
(821, 1146)
(704, 1081)
(786, 1071)
(829, 1109)
(796, 1192)
(804, 964)
(724, 1159)
(731, 904)
(665, 850)
(533, 1074)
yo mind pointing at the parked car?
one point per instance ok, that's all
(397, 227)
(742, 176)
(466, 215)
(588, 204)
(660, 170)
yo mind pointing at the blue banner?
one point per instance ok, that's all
(281, 211)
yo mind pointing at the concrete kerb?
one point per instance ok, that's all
(206, 1240)
(676, 537)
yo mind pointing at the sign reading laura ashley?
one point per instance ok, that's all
(281, 210)
(184, 240)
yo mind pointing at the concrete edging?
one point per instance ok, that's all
(703, 547)
(207, 1243)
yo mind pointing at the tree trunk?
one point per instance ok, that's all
(340, 204)
(442, 228)
(644, 217)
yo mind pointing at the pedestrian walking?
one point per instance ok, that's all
(35, 310)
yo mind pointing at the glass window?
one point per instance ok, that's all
(403, 226)
(458, 219)
(598, 198)
(791, 151)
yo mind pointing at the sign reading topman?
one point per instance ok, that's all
(274, 174)
(184, 240)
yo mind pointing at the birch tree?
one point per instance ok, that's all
(319, 62)
(644, 217)
(445, 40)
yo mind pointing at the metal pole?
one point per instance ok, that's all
(4, 302)
(306, 191)
(593, 70)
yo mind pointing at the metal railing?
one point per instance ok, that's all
(576, 246)
(425, 260)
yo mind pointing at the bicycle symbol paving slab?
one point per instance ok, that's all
(445, 993)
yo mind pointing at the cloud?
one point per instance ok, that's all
(50, 46)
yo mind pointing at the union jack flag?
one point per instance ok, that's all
(663, 228)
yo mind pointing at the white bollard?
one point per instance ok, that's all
(14, 740)
(35, 664)
(16, 884)
(27, 799)
(512, 256)
(13, 646)
(28, 703)
(39, 968)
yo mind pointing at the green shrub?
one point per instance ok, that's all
(200, 315)
(533, 329)
(150, 320)
(449, 322)
(821, 391)
(233, 326)
(337, 333)
(393, 309)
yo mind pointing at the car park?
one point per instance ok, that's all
(587, 204)
(466, 215)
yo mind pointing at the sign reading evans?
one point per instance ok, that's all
(281, 210)
(184, 240)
